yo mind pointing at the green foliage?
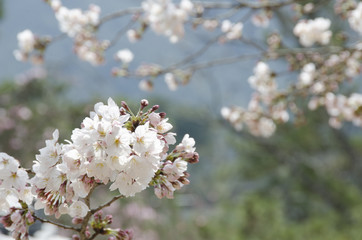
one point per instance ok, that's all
(29, 114)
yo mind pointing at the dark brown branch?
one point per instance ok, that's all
(93, 236)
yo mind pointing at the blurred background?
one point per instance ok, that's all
(305, 182)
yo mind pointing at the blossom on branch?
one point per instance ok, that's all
(355, 18)
(113, 145)
(313, 31)
(166, 18)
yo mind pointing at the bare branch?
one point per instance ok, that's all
(120, 33)
(56, 224)
(244, 4)
(119, 14)
(107, 203)
(222, 61)
(197, 53)
(93, 236)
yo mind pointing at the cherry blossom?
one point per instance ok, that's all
(313, 31)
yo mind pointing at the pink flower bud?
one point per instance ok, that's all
(109, 218)
(155, 107)
(77, 220)
(144, 103)
(75, 237)
(125, 106)
(29, 218)
(162, 114)
(98, 215)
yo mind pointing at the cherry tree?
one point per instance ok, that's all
(324, 60)
(128, 150)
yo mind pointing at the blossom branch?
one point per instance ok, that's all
(243, 4)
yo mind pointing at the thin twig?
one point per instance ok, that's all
(88, 216)
(87, 198)
(93, 236)
(243, 4)
(107, 204)
(197, 53)
(119, 14)
(56, 224)
(120, 33)
(252, 43)
(222, 61)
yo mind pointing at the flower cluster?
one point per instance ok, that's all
(262, 18)
(166, 18)
(172, 175)
(113, 146)
(14, 187)
(17, 222)
(340, 108)
(263, 81)
(232, 31)
(81, 26)
(47, 231)
(15, 195)
(319, 77)
(264, 108)
(100, 225)
(313, 31)
(307, 75)
(256, 118)
(28, 43)
(355, 18)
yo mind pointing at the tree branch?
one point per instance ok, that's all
(243, 4)
(107, 204)
(56, 224)
(93, 236)
(119, 14)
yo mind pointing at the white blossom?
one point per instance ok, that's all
(232, 30)
(313, 31)
(171, 81)
(161, 125)
(124, 55)
(78, 209)
(26, 41)
(187, 144)
(307, 74)
(166, 18)
(355, 18)
(74, 21)
(263, 80)
(176, 169)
